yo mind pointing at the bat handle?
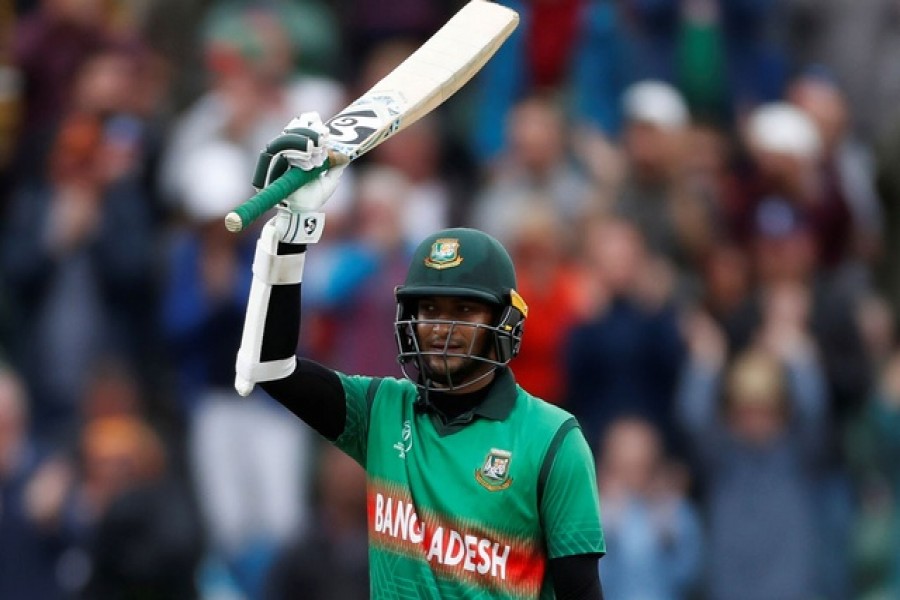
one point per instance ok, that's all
(291, 181)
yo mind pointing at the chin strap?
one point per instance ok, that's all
(269, 268)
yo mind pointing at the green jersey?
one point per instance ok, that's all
(473, 508)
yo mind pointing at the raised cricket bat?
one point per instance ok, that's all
(430, 75)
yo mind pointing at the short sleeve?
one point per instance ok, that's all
(358, 391)
(570, 505)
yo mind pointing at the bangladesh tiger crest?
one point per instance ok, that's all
(494, 473)
(444, 254)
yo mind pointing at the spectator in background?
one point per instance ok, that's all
(536, 166)
(626, 357)
(784, 257)
(725, 56)
(78, 246)
(857, 42)
(558, 298)
(757, 430)
(247, 461)
(786, 149)
(709, 162)
(791, 229)
(571, 48)
(846, 169)
(50, 46)
(30, 550)
(675, 221)
(320, 44)
(143, 538)
(728, 294)
(121, 524)
(253, 90)
(330, 560)
(654, 532)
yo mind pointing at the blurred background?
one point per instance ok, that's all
(702, 198)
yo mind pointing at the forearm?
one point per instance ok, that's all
(695, 398)
(809, 393)
(272, 322)
(281, 329)
(312, 392)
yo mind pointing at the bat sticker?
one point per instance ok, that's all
(365, 123)
(354, 127)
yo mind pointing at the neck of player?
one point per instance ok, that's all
(453, 403)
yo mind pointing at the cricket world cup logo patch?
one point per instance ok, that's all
(444, 254)
(494, 473)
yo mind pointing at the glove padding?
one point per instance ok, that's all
(303, 145)
(298, 220)
(313, 153)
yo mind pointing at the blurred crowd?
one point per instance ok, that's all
(702, 199)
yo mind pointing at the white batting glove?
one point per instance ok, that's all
(303, 145)
(308, 125)
(300, 219)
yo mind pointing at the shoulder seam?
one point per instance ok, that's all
(370, 394)
(550, 456)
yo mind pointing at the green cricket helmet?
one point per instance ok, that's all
(463, 263)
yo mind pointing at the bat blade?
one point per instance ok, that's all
(428, 77)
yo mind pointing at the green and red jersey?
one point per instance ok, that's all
(476, 507)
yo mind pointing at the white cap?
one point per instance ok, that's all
(215, 180)
(655, 102)
(782, 127)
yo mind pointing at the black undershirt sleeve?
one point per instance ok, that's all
(312, 392)
(576, 577)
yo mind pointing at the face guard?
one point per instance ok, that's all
(491, 346)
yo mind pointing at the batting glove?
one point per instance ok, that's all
(302, 145)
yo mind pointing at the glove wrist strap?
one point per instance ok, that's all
(300, 228)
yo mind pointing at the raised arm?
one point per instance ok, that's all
(272, 323)
(696, 403)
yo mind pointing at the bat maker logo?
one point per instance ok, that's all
(365, 123)
(352, 127)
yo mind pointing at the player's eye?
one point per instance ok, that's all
(426, 310)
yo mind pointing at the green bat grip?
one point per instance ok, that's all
(292, 180)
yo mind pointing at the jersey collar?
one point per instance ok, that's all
(496, 406)
(500, 399)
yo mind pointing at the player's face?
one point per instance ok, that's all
(449, 333)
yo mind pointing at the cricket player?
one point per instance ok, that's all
(476, 489)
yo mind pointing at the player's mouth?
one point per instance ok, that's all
(447, 347)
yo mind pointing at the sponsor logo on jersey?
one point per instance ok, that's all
(444, 254)
(494, 473)
(456, 547)
(444, 546)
